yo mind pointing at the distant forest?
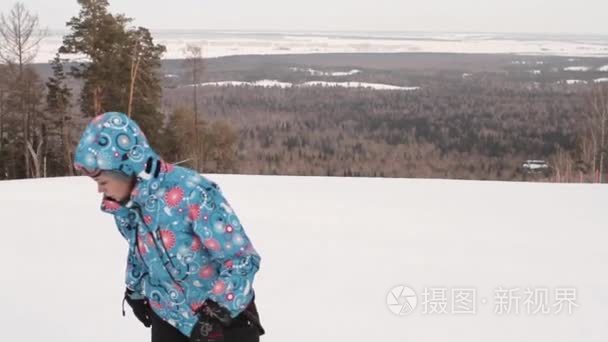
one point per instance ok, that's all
(475, 116)
(463, 116)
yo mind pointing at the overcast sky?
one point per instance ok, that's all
(533, 16)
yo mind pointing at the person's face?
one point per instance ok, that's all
(113, 187)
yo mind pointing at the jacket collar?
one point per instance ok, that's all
(147, 179)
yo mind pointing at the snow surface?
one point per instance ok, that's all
(328, 73)
(275, 83)
(260, 83)
(217, 44)
(577, 68)
(535, 72)
(376, 86)
(572, 82)
(600, 80)
(332, 249)
(604, 68)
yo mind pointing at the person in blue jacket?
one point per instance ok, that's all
(190, 266)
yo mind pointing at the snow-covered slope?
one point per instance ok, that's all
(332, 249)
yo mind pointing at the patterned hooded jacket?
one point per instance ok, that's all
(186, 244)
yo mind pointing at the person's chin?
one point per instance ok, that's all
(123, 199)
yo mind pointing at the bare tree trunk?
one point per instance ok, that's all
(1, 121)
(96, 101)
(599, 121)
(602, 113)
(562, 164)
(1, 131)
(586, 160)
(35, 158)
(594, 149)
(22, 110)
(39, 155)
(26, 141)
(603, 147)
(194, 62)
(196, 134)
(65, 138)
(134, 69)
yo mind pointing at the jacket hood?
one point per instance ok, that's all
(112, 141)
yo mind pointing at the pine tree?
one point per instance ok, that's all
(58, 103)
(143, 58)
(99, 36)
(121, 70)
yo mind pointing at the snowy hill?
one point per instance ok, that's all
(332, 249)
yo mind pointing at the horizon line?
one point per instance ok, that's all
(57, 30)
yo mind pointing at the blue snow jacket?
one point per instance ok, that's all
(186, 244)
